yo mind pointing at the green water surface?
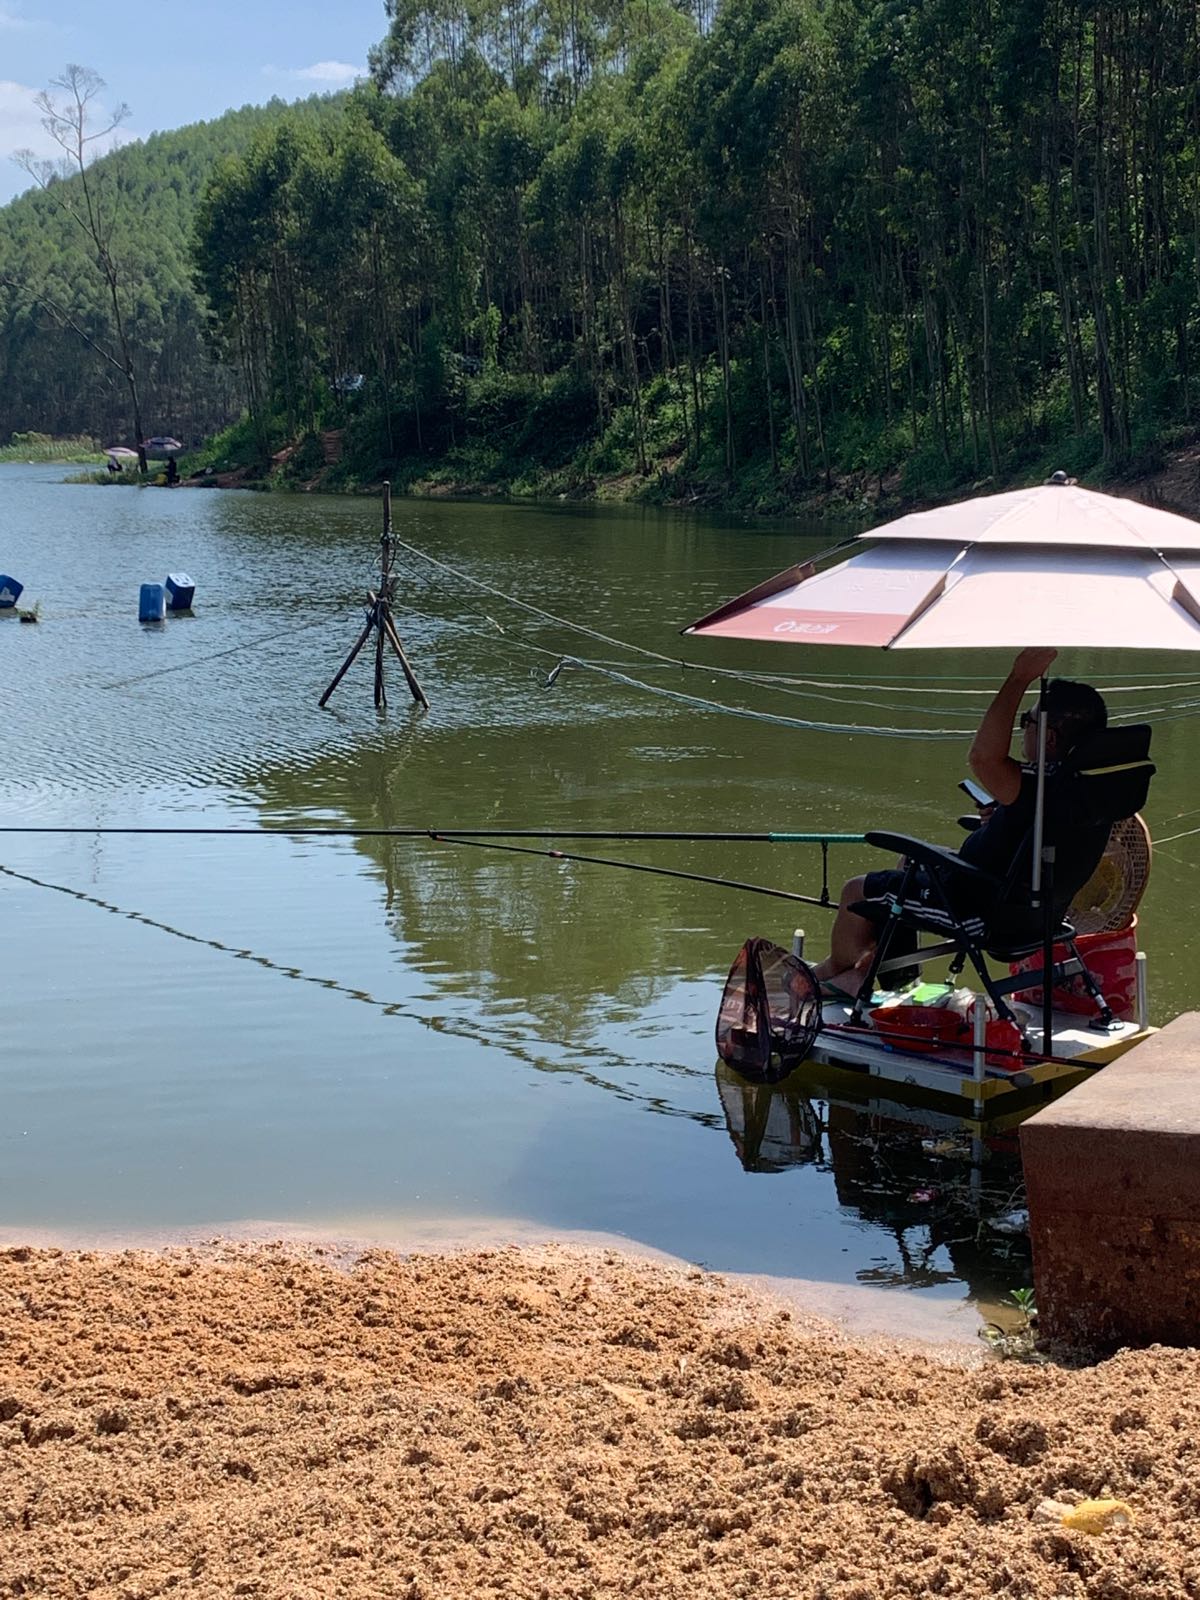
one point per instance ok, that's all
(363, 1035)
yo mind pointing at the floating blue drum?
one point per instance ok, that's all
(10, 592)
(152, 603)
(180, 591)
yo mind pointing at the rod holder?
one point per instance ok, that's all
(1143, 996)
(979, 1021)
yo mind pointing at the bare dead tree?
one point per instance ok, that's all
(73, 120)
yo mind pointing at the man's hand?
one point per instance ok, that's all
(1033, 663)
(989, 758)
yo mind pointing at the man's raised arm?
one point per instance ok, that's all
(990, 759)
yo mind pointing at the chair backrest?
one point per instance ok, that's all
(1111, 773)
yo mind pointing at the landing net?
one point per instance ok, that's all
(770, 1012)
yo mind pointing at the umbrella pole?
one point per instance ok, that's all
(1042, 879)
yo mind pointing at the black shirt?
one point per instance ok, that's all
(1003, 845)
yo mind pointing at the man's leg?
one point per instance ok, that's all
(851, 944)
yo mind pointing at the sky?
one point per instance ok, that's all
(173, 64)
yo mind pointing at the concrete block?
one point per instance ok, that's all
(1113, 1175)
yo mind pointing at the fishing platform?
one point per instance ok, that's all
(968, 1073)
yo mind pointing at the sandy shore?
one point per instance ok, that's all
(544, 1422)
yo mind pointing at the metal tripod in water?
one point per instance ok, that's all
(380, 622)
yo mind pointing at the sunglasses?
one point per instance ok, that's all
(1029, 718)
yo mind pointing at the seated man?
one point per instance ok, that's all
(1003, 844)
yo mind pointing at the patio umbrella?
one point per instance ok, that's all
(118, 452)
(161, 447)
(1054, 565)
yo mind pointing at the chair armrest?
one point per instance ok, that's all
(933, 856)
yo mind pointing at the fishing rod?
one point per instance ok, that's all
(639, 866)
(309, 832)
(485, 838)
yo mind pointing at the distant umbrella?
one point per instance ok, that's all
(118, 452)
(161, 447)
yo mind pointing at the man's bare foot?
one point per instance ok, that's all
(848, 982)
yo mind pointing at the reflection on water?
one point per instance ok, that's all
(200, 1031)
(948, 1195)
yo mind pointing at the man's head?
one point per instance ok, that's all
(1074, 711)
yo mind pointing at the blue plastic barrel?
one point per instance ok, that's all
(180, 591)
(10, 592)
(152, 603)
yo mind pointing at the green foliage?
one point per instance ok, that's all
(49, 379)
(755, 251)
(241, 444)
(41, 447)
(1016, 1338)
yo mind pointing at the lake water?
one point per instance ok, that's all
(378, 1037)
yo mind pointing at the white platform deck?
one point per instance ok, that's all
(1076, 1050)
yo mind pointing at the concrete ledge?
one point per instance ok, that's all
(1113, 1174)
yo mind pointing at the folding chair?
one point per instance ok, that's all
(1105, 780)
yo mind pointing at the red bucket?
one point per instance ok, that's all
(1111, 958)
(918, 1028)
(924, 1029)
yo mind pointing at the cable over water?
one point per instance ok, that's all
(790, 684)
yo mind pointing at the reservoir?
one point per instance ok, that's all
(399, 1038)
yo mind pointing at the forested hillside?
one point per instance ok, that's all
(748, 251)
(49, 380)
(797, 239)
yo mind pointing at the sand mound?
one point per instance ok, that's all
(547, 1423)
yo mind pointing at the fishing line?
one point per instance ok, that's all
(774, 718)
(1188, 833)
(669, 664)
(860, 683)
(502, 1039)
(486, 839)
(630, 835)
(274, 637)
(784, 685)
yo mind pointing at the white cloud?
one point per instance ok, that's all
(331, 72)
(21, 121)
(21, 129)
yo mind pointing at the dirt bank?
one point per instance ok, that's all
(547, 1422)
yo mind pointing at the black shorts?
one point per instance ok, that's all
(924, 897)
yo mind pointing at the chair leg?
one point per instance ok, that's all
(867, 987)
(1003, 1010)
(1104, 1012)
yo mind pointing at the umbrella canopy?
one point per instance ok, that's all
(1053, 565)
(162, 446)
(118, 452)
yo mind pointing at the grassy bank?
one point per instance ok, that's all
(44, 447)
(517, 438)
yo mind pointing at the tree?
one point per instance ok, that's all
(69, 119)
